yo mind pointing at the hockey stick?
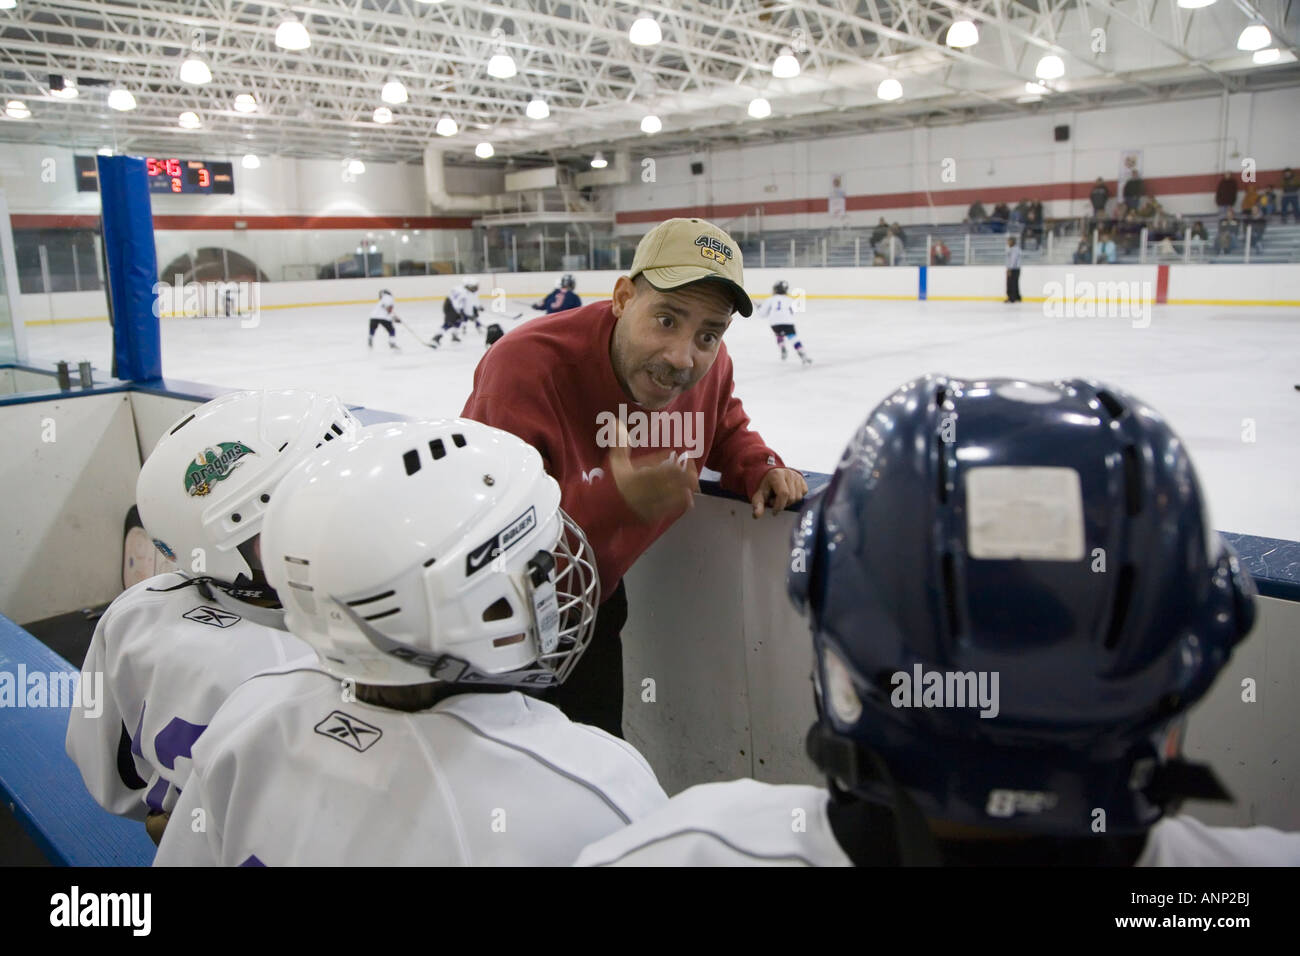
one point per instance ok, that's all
(432, 345)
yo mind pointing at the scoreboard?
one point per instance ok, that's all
(189, 176)
(168, 175)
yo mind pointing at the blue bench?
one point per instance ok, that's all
(40, 784)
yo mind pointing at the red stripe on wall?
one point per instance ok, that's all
(21, 221)
(989, 195)
(1162, 284)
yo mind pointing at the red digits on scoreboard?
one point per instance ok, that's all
(152, 165)
(176, 184)
(205, 178)
(174, 168)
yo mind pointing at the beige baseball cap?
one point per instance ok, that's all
(681, 251)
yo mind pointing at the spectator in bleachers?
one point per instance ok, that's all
(1082, 254)
(998, 219)
(1166, 247)
(1134, 189)
(1225, 240)
(976, 215)
(1106, 251)
(939, 253)
(1099, 196)
(897, 231)
(1198, 231)
(1268, 201)
(879, 233)
(1290, 194)
(1225, 195)
(879, 259)
(1020, 213)
(1034, 225)
(1258, 222)
(1129, 232)
(1249, 199)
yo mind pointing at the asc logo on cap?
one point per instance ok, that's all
(711, 248)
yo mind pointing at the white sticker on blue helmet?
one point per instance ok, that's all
(1027, 392)
(1032, 514)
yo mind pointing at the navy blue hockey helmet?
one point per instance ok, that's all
(781, 287)
(1015, 594)
(567, 281)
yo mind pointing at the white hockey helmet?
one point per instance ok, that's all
(432, 550)
(471, 283)
(208, 481)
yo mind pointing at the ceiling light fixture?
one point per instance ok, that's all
(1254, 37)
(645, 31)
(759, 108)
(963, 33)
(394, 92)
(1035, 89)
(245, 103)
(889, 89)
(356, 167)
(1267, 56)
(291, 34)
(502, 65)
(189, 120)
(599, 161)
(121, 99)
(537, 109)
(446, 127)
(195, 71)
(17, 109)
(1194, 4)
(651, 124)
(383, 115)
(484, 151)
(250, 161)
(785, 66)
(1050, 67)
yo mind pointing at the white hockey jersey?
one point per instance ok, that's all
(465, 302)
(383, 307)
(778, 310)
(294, 771)
(747, 823)
(169, 659)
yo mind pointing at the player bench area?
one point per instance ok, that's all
(712, 643)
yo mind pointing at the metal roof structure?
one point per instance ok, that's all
(714, 58)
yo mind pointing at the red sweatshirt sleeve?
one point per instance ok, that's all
(739, 454)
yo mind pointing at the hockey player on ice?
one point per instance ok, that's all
(461, 305)
(172, 648)
(1075, 756)
(779, 312)
(382, 314)
(562, 299)
(431, 567)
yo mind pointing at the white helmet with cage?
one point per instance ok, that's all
(203, 491)
(432, 551)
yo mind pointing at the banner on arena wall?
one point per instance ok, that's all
(835, 203)
(1130, 166)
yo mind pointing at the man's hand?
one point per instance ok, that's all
(653, 491)
(780, 487)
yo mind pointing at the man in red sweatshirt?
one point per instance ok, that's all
(624, 399)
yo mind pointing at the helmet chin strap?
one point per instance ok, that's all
(844, 760)
(446, 667)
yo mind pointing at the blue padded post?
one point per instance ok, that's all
(132, 267)
(42, 785)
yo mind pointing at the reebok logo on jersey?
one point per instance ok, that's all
(500, 542)
(212, 615)
(356, 733)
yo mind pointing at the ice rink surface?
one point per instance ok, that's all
(1224, 377)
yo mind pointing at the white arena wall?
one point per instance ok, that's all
(1264, 285)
